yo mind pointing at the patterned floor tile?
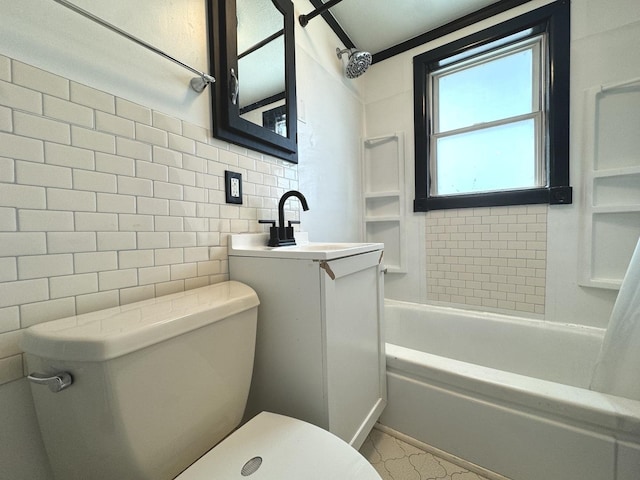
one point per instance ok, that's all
(394, 459)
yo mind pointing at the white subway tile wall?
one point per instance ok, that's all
(105, 202)
(488, 257)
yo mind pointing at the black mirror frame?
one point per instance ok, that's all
(227, 123)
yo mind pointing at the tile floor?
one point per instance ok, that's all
(397, 460)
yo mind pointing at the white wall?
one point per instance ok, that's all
(49, 36)
(329, 134)
(604, 48)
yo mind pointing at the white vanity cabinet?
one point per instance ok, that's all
(319, 348)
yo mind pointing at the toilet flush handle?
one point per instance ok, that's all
(56, 382)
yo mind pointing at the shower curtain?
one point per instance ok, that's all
(617, 371)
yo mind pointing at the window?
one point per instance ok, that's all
(492, 115)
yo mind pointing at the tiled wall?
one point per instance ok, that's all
(488, 257)
(106, 202)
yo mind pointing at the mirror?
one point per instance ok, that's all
(261, 63)
(252, 58)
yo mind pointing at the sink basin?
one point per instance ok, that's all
(255, 245)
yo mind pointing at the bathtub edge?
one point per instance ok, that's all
(592, 408)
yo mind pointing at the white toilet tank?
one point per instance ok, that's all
(155, 383)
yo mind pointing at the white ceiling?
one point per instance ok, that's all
(375, 25)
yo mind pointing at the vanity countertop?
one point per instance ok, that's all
(255, 245)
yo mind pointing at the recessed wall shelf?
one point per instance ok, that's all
(384, 202)
(611, 183)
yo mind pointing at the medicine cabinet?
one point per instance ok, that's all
(252, 56)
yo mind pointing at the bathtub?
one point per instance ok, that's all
(508, 394)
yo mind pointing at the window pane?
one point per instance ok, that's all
(492, 90)
(497, 158)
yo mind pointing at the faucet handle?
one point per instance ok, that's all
(273, 232)
(291, 222)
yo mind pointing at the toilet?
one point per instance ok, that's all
(152, 390)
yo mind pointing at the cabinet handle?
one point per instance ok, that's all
(325, 266)
(234, 86)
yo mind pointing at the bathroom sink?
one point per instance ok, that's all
(255, 245)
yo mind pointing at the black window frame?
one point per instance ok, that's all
(553, 20)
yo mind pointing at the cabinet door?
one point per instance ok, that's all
(355, 371)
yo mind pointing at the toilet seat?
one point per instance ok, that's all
(287, 449)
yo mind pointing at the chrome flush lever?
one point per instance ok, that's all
(56, 382)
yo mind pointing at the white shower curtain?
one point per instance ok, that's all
(617, 370)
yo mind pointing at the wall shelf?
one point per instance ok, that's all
(615, 209)
(615, 172)
(390, 218)
(394, 193)
(611, 225)
(384, 202)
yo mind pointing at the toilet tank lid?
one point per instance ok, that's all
(110, 333)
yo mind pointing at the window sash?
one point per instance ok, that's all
(536, 45)
(540, 170)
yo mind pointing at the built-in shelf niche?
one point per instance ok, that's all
(611, 183)
(383, 179)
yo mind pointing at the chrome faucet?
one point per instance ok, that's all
(283, 235)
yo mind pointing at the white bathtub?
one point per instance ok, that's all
(508, 394)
